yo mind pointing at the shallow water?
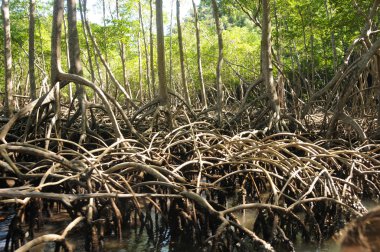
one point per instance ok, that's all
(134, 240)
(6, 218)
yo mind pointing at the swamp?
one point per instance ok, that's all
(187, 125)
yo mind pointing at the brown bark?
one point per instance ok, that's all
(199, 58)
(126, 83)
(140, 67)
(148, 80)
(377, 83)
(75, 63)
(68, 58)
(266, 65)
(219, 84)
(333, 46)
(107, 87)
(56, 36)
(105, 64)
(32, 79)
(74, 50)
(8, 99)
(181, 56)
(83, 17)
(163, 90)
(56, 71)
(171, 47)
(152, 74)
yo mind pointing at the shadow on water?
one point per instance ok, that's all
(134, 239)
(5, 220)
(139, 239)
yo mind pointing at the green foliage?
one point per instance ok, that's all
(303, 36)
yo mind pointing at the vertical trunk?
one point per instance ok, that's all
(126, 84)
(32, 79)
(74, 50)
(56, 40)
(266, 64)
(75, 63)
(105, 64)
(68, 59)
(140, 68)
(280, 78)
(163, 91)
(219, 84)
(333, 47)
(200, 71)
(171, 47)
(312, 62)
(105, 44)
(56, 68)
(83, 16)
(152, 76)
(8, 99)
(181, 56)
(148, 80)
(82, 12)
(376, 83)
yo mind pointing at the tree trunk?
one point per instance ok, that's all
(152, 74)
(281, 77)
(219, 84)
(68, 58)
(200, 71)
(56, 35)
(8, 99)
(266, 65)
(377, 84)
(333, 47)
(32, 78)
(148, 80)
(140, 68)
(181, 56)
(122, 57)
(106, 66)
(105, 44)
(171, 47)
(75, 63)
(164, 96)
(74, 50)
(83, 17)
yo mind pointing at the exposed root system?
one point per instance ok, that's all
(192, 182)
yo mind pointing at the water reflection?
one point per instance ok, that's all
(5, 220)
(137, 239)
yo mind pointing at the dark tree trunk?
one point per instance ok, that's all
(83, 17)
(181, 56)
(199, 58)
(75, 63)
(266, 64)
(148, 80)
(32, 79)
(219, 83)
(152, 74)
(8, 99)
(164, 96)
